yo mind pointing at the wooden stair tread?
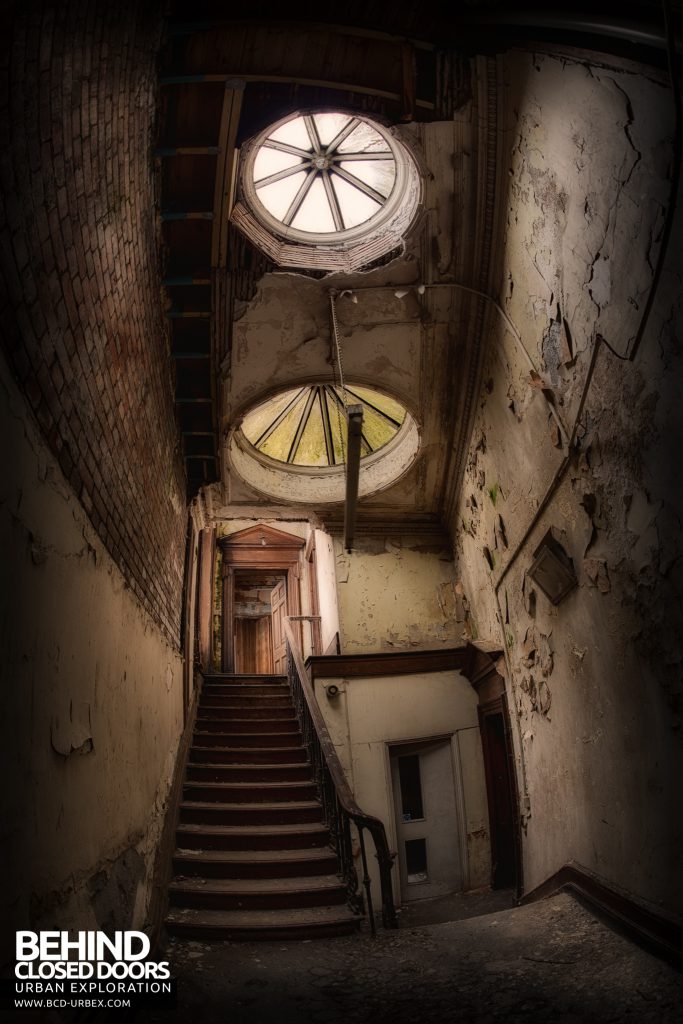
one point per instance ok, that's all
(222, 710)
(228, 786)
(210, 676)
(290, 828)
(261, 919)
(257, 713)
(251, 856)
(247, 692)
(255, 885)
(262, 735)
(248, 766)
(291, 805)
(247, 750)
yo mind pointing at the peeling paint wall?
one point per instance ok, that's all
(596, 681)
(368, 714)
(91, 700)
(391, 595)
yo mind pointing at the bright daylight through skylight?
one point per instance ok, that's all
(324, 172)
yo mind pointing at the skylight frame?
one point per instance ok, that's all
(323, 397)
(391, 218)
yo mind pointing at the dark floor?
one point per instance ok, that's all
(547, 963)
(456, 907)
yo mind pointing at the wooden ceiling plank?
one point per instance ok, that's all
(225, 172)
(316, 83)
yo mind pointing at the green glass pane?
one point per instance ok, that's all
(376, 428)
(256, 422)
(312, 450)
(381, 402)
(280, 441)
(380, 417)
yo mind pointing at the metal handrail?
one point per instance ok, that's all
(339, 805)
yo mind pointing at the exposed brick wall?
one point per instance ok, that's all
(82, 321)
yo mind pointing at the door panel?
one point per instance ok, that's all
(278, 603)
(253, 646)
(426, 821)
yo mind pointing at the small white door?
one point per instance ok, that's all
(426, 820)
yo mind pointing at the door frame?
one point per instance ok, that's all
(257, 547)
(393, 748)
(499, 706)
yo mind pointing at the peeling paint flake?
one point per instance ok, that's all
(71, 733)
(596, 571)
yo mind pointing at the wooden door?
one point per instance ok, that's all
(501, 794)
(253, 646)
(278, 604)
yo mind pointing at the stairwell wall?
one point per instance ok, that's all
(595, 682)
(396, 593)
(93, 504)
(91, 706)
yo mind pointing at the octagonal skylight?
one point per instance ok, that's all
(327, 190)
(321, 173)
(306, 427)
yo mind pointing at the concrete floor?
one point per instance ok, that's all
(548, 963)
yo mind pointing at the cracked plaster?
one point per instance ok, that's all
(596, 683)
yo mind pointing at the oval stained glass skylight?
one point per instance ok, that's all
(324, 173)
(306, 426)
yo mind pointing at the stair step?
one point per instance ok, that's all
(264, 755)
(296, 836)
(254, 863)
(254, 726)
(246, 792)
(294, 812)
(257, 893)
(254, 857)
(254, 925)
(245, 710)
(251, 773)
(245, 679)
(252, 700)
(229, 690)
(245, 739)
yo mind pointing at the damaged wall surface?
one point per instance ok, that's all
(392, 595)
(93, 513)
(92, 722)
(570, 436)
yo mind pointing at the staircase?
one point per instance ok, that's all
(253, 858)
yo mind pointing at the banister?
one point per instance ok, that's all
(339, 804)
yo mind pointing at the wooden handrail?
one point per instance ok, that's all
(344, 795)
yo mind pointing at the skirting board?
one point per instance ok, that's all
(657, 932)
